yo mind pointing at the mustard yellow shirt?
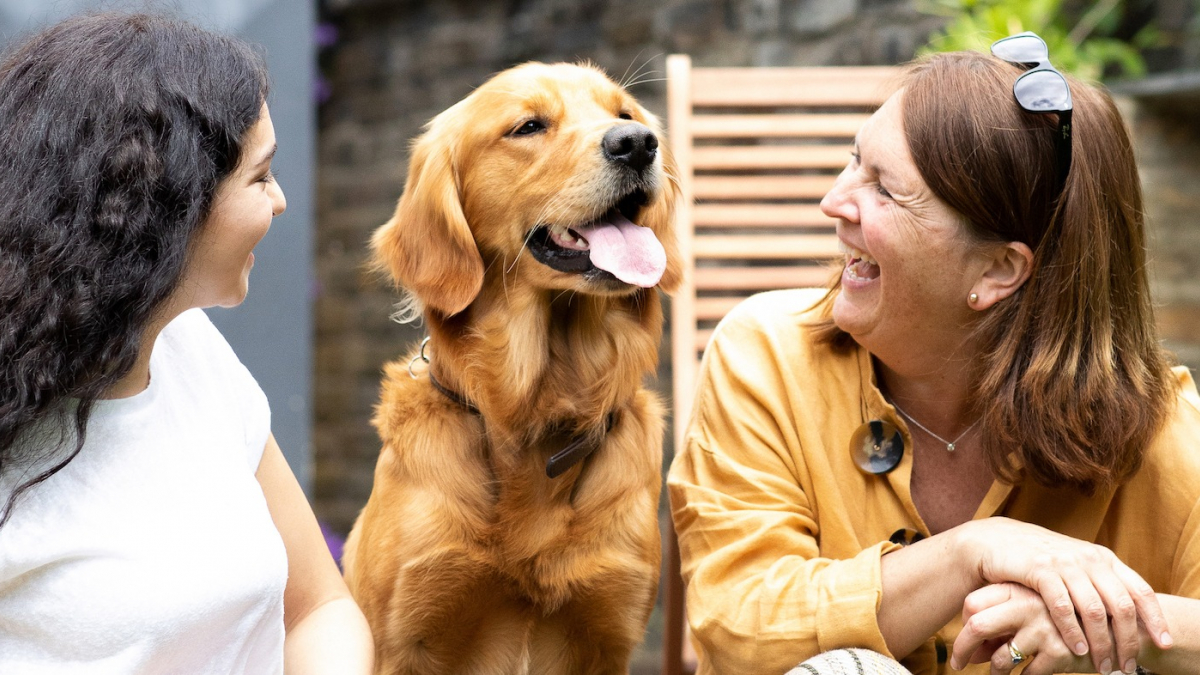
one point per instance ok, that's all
(781, 535)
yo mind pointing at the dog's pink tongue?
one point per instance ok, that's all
(630, 252)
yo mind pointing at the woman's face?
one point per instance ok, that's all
(909, 262)
(218, 273)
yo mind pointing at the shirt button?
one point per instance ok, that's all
(905, 536)
(876, 447)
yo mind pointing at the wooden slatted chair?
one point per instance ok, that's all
(757, 149)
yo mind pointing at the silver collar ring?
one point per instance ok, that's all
(419, 357)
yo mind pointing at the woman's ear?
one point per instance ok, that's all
(1009, 266)
(427, 245)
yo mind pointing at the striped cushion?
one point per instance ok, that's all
(849, 662)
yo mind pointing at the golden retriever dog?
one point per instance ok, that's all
(512, 527)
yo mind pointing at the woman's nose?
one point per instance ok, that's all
(278, 200)
(837, 203)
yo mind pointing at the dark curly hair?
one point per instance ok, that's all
(115, 131)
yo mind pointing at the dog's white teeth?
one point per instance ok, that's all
(567, 238)
(580, 242)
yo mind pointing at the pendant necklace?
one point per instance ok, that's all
(949, 444)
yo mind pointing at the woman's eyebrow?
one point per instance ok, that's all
(866, 162)
(268, 156)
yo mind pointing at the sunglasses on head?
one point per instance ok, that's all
(1040, 90)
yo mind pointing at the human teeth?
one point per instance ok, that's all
(855, 254)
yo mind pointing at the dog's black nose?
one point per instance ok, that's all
(633, 145)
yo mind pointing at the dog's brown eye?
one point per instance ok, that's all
(625, 116)
(530, 127)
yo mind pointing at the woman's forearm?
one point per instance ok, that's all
(332, 639)
(924, 586)
(1183, 618)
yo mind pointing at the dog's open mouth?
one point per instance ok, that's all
(612, 246)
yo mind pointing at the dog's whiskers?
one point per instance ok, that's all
(621, 82)
(554, 203)
(562, 293)
(550, 205)
(504, 281)
(626, 77)
(648, 79)
(517, 258)
(673, 178)
(636, 78)
(489, 266)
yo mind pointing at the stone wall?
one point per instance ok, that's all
(1166, 130)
(396, 64)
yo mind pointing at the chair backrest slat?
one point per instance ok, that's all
(762, 188)
(777, 125)
(778, 87)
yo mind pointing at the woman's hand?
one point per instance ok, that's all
(1072, 577)
(1002, 614)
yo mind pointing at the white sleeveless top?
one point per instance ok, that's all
(153, 550)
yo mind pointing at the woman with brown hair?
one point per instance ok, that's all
(971, 447)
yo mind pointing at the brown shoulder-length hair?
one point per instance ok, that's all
(1071, 380)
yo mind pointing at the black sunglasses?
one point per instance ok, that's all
(1041, 90)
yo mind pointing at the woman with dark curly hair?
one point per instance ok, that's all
(148, 520)
(970, 451)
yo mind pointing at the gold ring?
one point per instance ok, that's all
(1018, 656)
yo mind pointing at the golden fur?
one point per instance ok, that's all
(467, 558)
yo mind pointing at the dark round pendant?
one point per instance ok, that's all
(877, 447)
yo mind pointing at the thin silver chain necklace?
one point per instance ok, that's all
(949, 444)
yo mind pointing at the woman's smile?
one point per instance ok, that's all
(860, 266)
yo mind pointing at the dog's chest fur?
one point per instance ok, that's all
(530, 527)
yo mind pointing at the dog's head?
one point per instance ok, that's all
(553, 176)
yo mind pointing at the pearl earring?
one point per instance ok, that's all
(972, 298)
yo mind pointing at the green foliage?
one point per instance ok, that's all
(1081, 44)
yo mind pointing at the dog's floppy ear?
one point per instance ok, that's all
(427, 245)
